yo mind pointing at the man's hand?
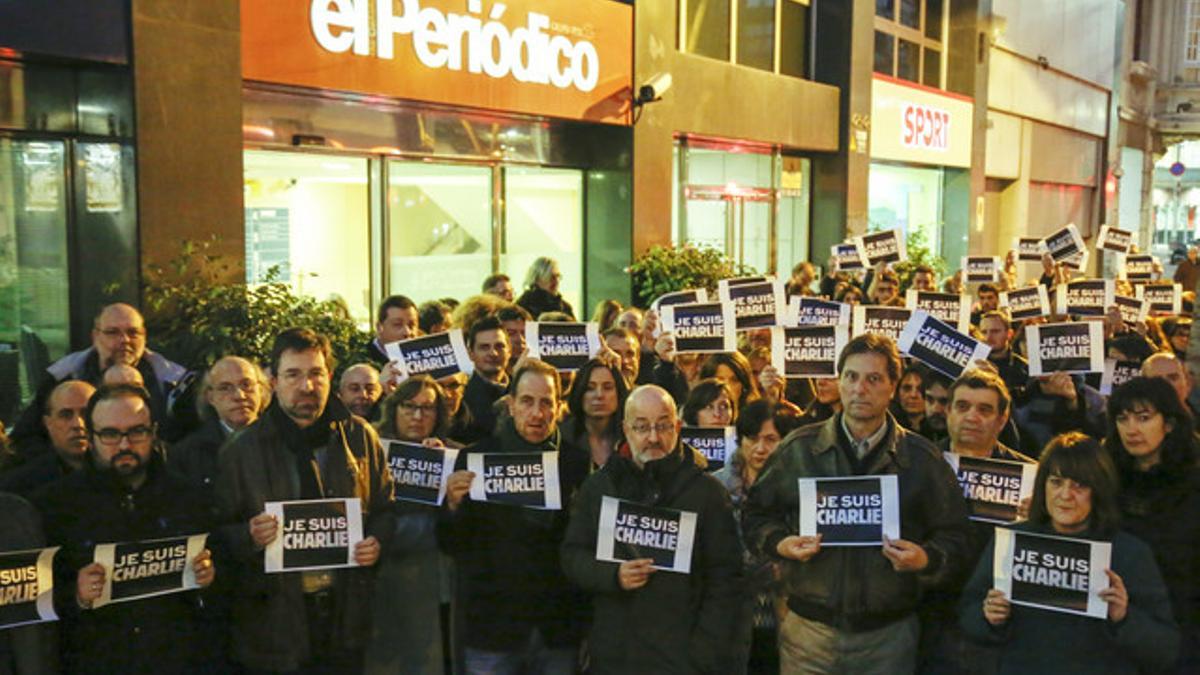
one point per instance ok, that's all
(996, 608)
(458, 486)
(263, 529)
(664, 346)
(905, 555)
(633, 574)
(202, 565)
(88, 584)
(366, 552)
(433, 442)
(796, 547)
(389, 378)
(773, 384)
(1060, 384)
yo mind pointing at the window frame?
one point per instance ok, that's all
(898, 31)
(681, 7)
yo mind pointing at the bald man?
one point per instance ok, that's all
(360, 390)
(1168, 366)
(646, 620)
(118, 337)
(120, 373)
(63, 421)
(233, 393)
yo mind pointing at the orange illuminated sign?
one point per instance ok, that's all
(557, 58)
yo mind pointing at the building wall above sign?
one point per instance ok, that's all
(555, 58)
(919, 125)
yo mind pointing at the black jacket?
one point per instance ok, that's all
(676, 623)
(90, 507)
(509, 576)
(1014, 370)
(537, 300)
(195, 455)
(855, 587)
(479, 397)
(24, 650)
(43, 469)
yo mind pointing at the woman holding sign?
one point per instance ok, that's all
(1075, 497)
(1150, 438)
(407, 631)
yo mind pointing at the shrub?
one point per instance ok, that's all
(664, 269)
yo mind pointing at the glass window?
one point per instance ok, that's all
(908, 61)
(794, 206)
(439, 229)
(1191, 33)
(886, 9)
(308, 214)
(884, 56)
(932, 77)
(793, 39)
(34, 299)
(910, 13)
(907, 199)
(543, 216)
(707, 28)
(933, 19)
(756, 34)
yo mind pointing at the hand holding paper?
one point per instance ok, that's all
(89, 584)
(905, 555)
(203, 567)
(996, 608)
(633, 574)
(366, 552)
(263, 529)
(799, 547)
(458, 486)
(1116, 596)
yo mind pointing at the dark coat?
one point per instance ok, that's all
(270, 626)
(195, 455)
(1033, 639)
(507, 557)
(856, 586)
(676, 623)
(24, 650)
(90, 507)
(27, 478)
(537, 300)
(1042, 417)
(480, 398)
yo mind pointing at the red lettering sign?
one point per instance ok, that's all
(925, 127)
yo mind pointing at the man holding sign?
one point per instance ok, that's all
(517, 607)
(666, 598)
(306, 446)
(852, 608)
(125, 494)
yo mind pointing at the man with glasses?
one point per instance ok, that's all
(519, 612)
(118, 337)
(232, 394)
(645, 620)
(64, 421)
(306, 445)
(125, 494)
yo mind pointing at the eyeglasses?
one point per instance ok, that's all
(227, 388)
(414, 408)
(643, 428)
(138, 434)
(131, 333)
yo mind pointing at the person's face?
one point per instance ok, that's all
(490, 352)
(302, 385)
(923, 281)
(627, 349)
(502, 288)
(398, 324)
(865, 386)
(416, 417)
(854, 298)
(911, 398)
(454, 386)
(759, 448)
(65, 423)
(1192, 253)
(689, 366)
(1173, 372)
(988, 301)
(1180, 338)
(630, 320)
(937, 400)
(515, 330)
(126, 456)
(359, 390)
(234, 393)
(1068, 503)
(441, 326)
(534, 407)
(725, 374)
(975, 419)
(119, 336)
(550, 281)
(994, 334)
(718, 413)
(884, 289)
(651, 428)
(600, 395)
(826, 390)
(1142, 432)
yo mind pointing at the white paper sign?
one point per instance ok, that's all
(144, 569)
(993, 488)
(1060, 574)
(850, 511)
(632, 531)
(565, 345)
(939, 345)
(1066, 347)
(419, 474)
(701, 328)
(314, 534)
(439, 355)
(528, 479)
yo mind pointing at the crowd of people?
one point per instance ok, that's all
(119, 444)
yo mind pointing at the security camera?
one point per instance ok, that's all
(654, 89)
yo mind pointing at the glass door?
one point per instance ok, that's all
(543, 216)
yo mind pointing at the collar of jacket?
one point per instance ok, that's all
(660, 480)
(511, 441)
(107, 479)
(827, 439)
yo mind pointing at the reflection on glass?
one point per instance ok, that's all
(908, 63)
(886, 9)
(728, 203)
(439, 229)
(793, 39)
(34, 299)
(933, 19)
(906, 198)
(544, 217)
(793, 219)
(708, 28)
(884, 44)
(910, 13)
(756, 34)
(933, 69)
(308, 215)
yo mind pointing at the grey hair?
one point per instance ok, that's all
(540, 269)
(206, 411)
